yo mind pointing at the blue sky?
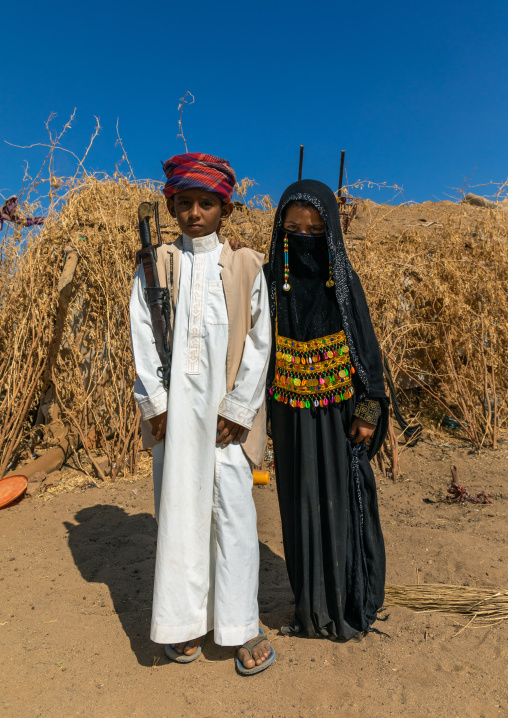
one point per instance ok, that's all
(415, 92)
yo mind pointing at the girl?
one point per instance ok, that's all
(326, 400)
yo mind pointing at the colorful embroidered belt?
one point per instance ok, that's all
(312, 374)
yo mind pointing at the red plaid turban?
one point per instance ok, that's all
(197, 171)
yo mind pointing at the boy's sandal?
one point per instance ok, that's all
(173, 654)
(250, 646)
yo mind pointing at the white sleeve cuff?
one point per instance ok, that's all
(153, 405)
(240, 414)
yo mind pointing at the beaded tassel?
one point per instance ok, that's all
(330, 281)
(286, 286)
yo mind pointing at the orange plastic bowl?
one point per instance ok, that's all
(11, 488)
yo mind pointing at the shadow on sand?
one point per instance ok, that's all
(112, 547)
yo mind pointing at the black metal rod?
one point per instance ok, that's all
(300, 168)
(341, 172)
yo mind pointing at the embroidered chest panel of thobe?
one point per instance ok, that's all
(202, 257)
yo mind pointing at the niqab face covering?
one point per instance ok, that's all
(309, 254)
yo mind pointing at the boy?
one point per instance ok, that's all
(211, 423)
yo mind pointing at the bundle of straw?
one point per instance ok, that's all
(484, 605)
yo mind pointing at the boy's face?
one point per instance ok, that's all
(198, 212)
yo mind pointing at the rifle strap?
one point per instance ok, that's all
(152, 280)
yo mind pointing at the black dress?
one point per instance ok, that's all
(327, 495)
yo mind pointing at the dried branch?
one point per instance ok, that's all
(124, 155)
(182, 102)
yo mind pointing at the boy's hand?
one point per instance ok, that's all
(236, 244)
(361, 429)
(228, 431)
(158, 424)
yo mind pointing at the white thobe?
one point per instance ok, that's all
(207, 565)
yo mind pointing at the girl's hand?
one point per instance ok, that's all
(236, 244)
(158, 424)
(361, 429)
(228, 431)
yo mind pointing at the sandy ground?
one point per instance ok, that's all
(75, 593)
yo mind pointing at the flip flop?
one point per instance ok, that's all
(292, 629)
(173, 654)
(249, 646)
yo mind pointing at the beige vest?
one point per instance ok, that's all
(239, 270)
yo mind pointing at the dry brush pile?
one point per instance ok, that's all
(64, 326)
(437, 296)
(66, 368)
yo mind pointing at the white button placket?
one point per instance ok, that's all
(196, 314)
